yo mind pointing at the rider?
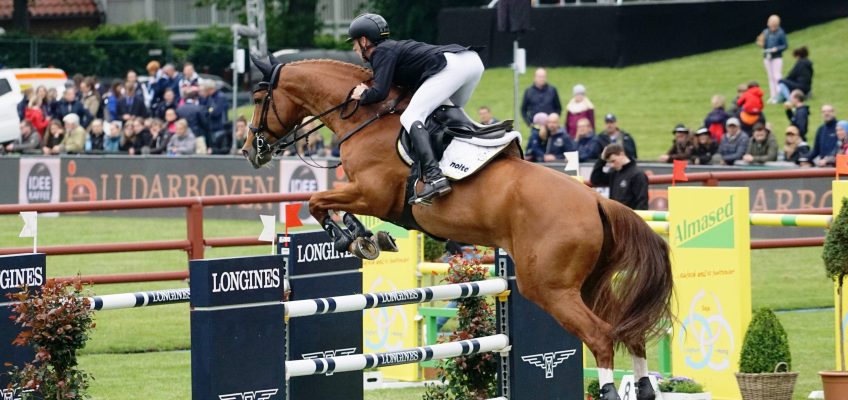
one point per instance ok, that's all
(441, 74)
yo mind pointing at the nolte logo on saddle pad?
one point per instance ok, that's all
(713, 230)
(548, 361)
(459, 166)
(257, 395)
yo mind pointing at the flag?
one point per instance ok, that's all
(292, 220)
(679, 173)
(30, 224)
(572, 161)
(268, 232)
(841, 164)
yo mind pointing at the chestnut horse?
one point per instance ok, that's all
(589, 262)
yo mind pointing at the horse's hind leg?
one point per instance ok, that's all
(644, 390)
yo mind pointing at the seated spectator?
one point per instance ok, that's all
(241, 134)
(613, 134)
(825, 146)
(588, 147)
(734, 144)
(183, 141)
(222, 141)
(74, 142)
(143, 138)
(800, 77)
(558, 140)
(29, 141)
(578, 107)
(681, 148)
(70, 105)
(734, 105)
(627, 183)
(537, 144)
(795, 149)
(112, 141)
(705, 147)
(798, 112)
(485, 115)
(158, 137)
(55, 136)
(168, 102)
(842, 137)
(128, 139)
(34, 113)
(751, 107)
(762, 147)
(716, 119)
(171, 121)
(131, 105)
(96, 137)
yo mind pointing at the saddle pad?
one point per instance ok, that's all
(463, 157)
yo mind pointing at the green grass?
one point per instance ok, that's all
(650, 99)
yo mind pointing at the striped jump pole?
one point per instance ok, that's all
(358, 302)
(139, 299)
(358, 362)
(799, 220)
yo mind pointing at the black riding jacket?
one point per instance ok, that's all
(405, 63)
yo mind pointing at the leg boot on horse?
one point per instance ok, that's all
(435, 184)
(383, 240)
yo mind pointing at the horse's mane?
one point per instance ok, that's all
(328, 61)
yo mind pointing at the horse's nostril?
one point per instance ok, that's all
(245, 153)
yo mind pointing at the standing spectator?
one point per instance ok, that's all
(734, 105)
(578, 107)
(801, 115)
(132, 104)
(734, 144)
(825, 144)
(241, 133)
(485, 115)
(167, 102)
(148, 89)
(716, 119)
(613, 134)
(558, 140)
(158, 137)
(751, 106)
(705, 147)
(169, 79)
(74, 142)
(29, 141)
(537, 143)
(34, 113)
(55, 136)
(588, 147)
(312, 146)
(795, 149)
(773, 44)
(50, 101)
(539, 97)
(70, 105)
(90, 97)
(112, 141)
(196, 117)
(800, 77)
(96, 137)
(27, 95)
(762, 147)
(111, 100)
(627, 183)
(217, 108)
(183, 141)
(41, 95)
(681, 147)
(132, 79)
(190, 81)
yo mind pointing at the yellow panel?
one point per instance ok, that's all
(710, 240)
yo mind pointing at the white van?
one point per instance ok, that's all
(10, 96)
(52, 78)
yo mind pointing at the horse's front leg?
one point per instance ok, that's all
(357, 238)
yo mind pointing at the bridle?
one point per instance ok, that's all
(264, 146)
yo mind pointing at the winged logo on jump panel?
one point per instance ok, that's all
(548, 361)
(257, 395)
(329, 353)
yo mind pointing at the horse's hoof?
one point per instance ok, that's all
(608, 392)
(644, 389)
(386, 242)
(364, 249)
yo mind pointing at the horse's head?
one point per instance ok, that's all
(275, 115)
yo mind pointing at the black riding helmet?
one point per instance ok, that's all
(371, 26)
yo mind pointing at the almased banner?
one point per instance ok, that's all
(122, 178)
(710, 242)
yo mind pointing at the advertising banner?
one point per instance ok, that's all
(392, 328)
(38, 180)
(710, 241)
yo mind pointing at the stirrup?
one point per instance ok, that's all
(431, 190)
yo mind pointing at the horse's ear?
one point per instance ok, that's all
(264, 67)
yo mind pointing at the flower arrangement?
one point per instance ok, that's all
(680, 384)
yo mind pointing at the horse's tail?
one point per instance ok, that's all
(631, 285)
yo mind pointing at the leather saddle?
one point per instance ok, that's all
(448, 122)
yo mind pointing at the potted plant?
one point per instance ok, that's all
(593, 390)
(682, 388)
(835, 256)
(765, 351)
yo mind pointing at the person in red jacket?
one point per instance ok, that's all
(35, 115)
(751, 106)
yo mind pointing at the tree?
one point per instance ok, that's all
(289, 23)
(20, 15)
(405, 16)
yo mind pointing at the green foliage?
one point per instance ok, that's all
(211, 50)
(835, 254)
(405, 16)
(330, 42)
(765, 345)
(473, 376)
(680, 384)
(593, 388)
(56, 323)
(288, 23)
(433, 249)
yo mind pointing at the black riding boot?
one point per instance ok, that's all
(435, 184)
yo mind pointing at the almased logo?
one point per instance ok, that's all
(713, 230)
